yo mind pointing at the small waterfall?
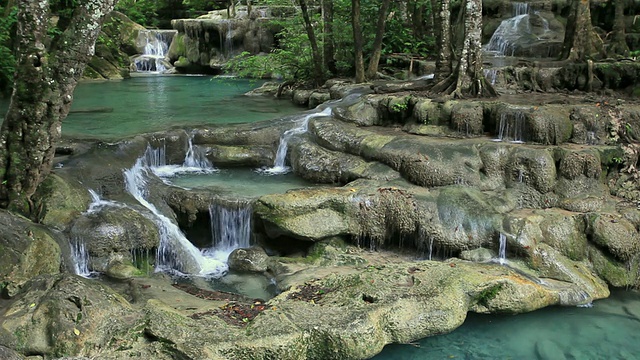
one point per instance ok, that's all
(80, 257)
(230, 228)
(491, 75)
(502, 42)
(502, 251)
(279, 166)
(155, 45)
(520, 175)
(98, 203)
(511, 127)
(195, 161)
(175, 251)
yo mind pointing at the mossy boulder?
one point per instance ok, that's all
(62, 201)
(253, 259)
(549, 125)
(242, 155)
(26, 250)
(467, 118)
(62, 315)
(615, 234)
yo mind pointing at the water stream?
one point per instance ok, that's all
(156, 45)
(608, 330)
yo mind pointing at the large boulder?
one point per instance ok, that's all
(26, 250)
(62, 201)
(58, 315)
(253, 259)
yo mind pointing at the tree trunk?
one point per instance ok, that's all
(357, 40)
(468, 78)
(442, 32)
(618, 45)
(328, 47)
(372, 71)
(43, 91)
(580, 41)
(315, 52)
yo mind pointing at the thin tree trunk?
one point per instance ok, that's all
(580, 40)
(328, 44)
(618, 45)
(442, 24)
(357, 41)
(315, 52)
(377, 42)
(42, 95)
(468, 78)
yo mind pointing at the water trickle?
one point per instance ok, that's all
(230, 228)
(195, 162)
(175, 251)
(502, 250)
(156, 45)
(511, 127)
(520, 175)
(97, 203)
(279, 166)
(491, 75)
(80, 257)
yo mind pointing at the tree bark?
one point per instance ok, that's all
(618, 45)
(315, 52)
(42, 95)
(372, 70)
(580, 40)
(357, 41)
(468, 78)
(442, 32)
(328, 48)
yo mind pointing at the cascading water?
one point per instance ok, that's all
(502, 250)
(195, 161)
(175, 251)
(279, 166)
(511, 127)
(80, 257)
(230, 228)
(155, 45)
(503, 39)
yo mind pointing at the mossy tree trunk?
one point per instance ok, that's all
(357, 40)
(442, 32)
(580, 40)
(372, 70)
(44, 81)
(315, 51)
(328, 49)
(468, 78)
(618, 45)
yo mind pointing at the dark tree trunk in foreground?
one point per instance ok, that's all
(442, 31)
(372, 70)
(468, 79)
(43, 91)
(580, 41)
(315, 51)
(328, 47)
(357, 40)
(618, 44)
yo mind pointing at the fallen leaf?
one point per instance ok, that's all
(76, 331)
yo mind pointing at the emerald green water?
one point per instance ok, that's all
(111, 110)
(608, 330)
(241, 183)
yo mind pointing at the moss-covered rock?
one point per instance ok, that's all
(26, 250)
(253, 259)
(615, 234)
(243, 155)
(62, 201)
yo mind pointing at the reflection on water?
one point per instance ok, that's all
(608, 330)
(120, 108)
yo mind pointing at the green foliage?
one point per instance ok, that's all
(488, 294)
(7, 60)
(143, 12)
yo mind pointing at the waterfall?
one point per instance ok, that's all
(279, 166)
(195, 161)
(502, 250)
(491, 75)
(175, 251)
(155, 45)
(511, 127)
(80, 257)
(230, 228)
